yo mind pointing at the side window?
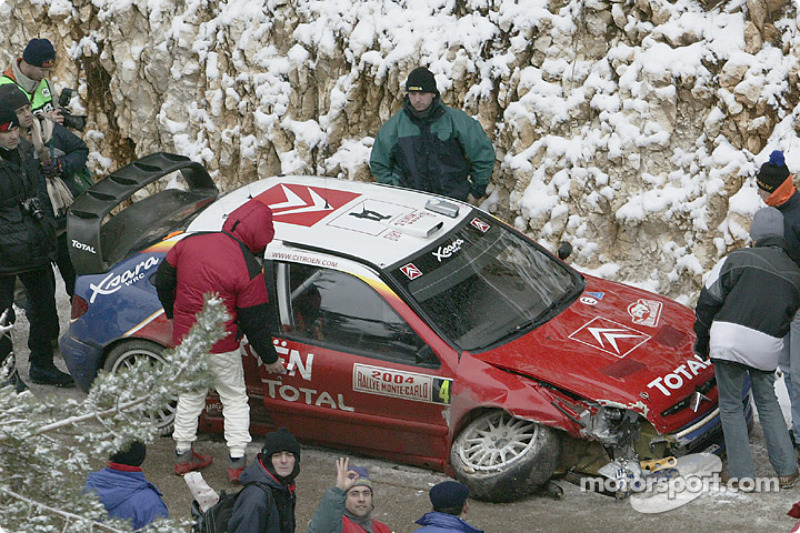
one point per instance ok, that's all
(333, 308)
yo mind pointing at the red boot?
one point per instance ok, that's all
(190, 460)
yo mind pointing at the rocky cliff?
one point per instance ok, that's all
(630, 128)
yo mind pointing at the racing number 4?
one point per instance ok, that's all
(444, 392)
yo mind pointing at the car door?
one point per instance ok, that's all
(360, 376)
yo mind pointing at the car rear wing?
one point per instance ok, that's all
(97, 242)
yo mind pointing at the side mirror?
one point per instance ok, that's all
(564, 250)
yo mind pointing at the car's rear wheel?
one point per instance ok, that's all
(502, 458)
(125, 354)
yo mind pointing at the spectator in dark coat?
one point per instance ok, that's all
(27, 246)
(449, 501)
(124, 491)
(743, 313)
(61, 154)
(278, 464)
(776, 188)
(232, 271)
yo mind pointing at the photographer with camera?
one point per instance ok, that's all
(61, 154)
(27, 246)
(30, 73)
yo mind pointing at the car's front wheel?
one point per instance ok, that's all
(125, 354)
(503, 458)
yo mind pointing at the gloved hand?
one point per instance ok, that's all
(478, 191)
(52, 168)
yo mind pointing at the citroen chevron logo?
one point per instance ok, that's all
(609, 336)
(695, 400)
(294, 204)
(302, 205)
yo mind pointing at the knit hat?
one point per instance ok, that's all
(773, 172)
(421, 80)
(767, 222)
(132, 456)
(363, 476)
(12, 96)
(40, 53)
(8, 118)
(448, 495)
(280, 441)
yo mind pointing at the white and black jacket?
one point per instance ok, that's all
(747, 304)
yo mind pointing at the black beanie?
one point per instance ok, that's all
(448, 495)
(421, 80)
(772, 173)
(280, 441)
(12, 96)
(8, 118)
(40, 53)
(132, 456)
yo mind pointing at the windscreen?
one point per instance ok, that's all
(483, 284)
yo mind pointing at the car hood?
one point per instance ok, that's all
(617, 345)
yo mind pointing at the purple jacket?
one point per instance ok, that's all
(126, 494)
(435, 522)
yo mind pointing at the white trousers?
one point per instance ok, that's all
(229, 383)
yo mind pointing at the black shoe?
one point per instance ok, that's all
(51, 376)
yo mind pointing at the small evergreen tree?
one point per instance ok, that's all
(45, 443)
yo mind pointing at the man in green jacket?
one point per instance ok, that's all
(30, 73)
(431, 147)
(347, 507)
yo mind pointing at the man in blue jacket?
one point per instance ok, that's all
(430, 147)
(449, 500)
(124, 491)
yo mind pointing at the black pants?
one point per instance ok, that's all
(64, 264)
(40, 286)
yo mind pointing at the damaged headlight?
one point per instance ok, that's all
(612, 426)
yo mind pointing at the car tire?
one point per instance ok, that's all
(124, 354)
(502, 458)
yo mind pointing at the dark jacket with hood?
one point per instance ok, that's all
(223, 263)
(27, 242)
(255, 512)
(747, 304)
(126, 494)
(433, 151)
(790, 210)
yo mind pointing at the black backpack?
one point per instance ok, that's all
(215, 519)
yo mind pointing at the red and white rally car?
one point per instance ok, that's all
(414, 327)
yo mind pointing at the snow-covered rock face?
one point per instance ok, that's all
(630, 128)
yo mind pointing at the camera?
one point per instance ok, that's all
(33, 207)
(75, 122)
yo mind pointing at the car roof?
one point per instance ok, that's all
(377, 223)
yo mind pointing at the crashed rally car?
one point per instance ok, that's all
(414, 328)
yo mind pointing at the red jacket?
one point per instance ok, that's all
(225, 263)
(377, 527)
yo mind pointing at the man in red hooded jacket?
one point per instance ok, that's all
(223, 263)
